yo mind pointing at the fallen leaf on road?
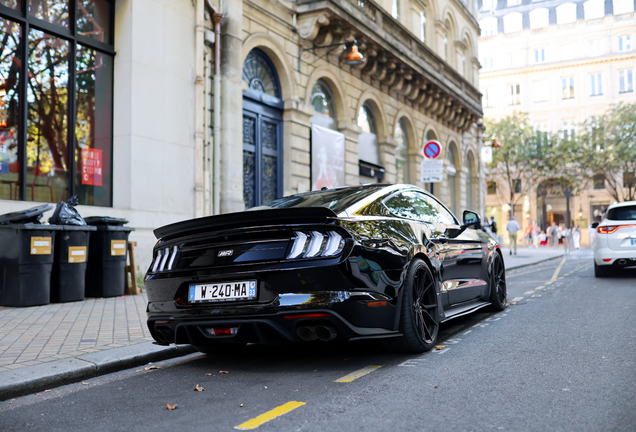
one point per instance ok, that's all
(138, 370)
(38, 394)
(47, 390)
(208, 374)
(85, 383)
(152, 367)
(170, 407)
(241, 404)
(434, 386)
(440, 347)
(198, 388)
(513, 303)
(224, 371)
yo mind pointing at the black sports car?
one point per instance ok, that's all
(385, 262)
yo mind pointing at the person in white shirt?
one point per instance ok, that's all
(513, 227)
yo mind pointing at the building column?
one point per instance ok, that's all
(352, 167)
(232, 113)
(296, 149)
(387, 146)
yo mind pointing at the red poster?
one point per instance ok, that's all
(92, 167)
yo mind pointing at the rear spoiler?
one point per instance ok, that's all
(245, 219)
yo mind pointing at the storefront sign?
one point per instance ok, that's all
(41, 245)
(77, 254)
(117, 247)
(92, 167)
(432, 171)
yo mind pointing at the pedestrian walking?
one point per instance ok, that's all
(553, 234)
(513, 227)
(486, 225)
(493, 228)
(576, 237)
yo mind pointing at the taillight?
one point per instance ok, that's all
(610, 229)
(316, 244)
(165, 258)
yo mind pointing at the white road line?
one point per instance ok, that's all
(528, 292)
(410, 363)
(442, 351)
(516, 299)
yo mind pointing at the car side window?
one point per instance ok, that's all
(416, 205)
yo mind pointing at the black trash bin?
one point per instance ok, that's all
(68, 279)
(26, 257)
(107, 247)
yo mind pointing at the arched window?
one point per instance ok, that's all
(451, 171)
(401, 153)
(488, 26)
(623, 6)
(422, 26)
(260, 75)
(566, 13)
(470, 202)
(395, 13)
(512, 22)
(594, 9)
(324, 110)
(368, 148)
(539, 18)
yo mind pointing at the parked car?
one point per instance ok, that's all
(614, 244)
(385, 262)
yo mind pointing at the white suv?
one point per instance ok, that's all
(615, 241)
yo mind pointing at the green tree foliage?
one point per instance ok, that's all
(607, 146)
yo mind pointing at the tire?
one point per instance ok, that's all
(599, 271)
(419, 318)
(215, 348)
(498, 289)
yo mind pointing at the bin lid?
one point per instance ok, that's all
(112, 228)
(105, 220)
(32, 226)
(78, 228)
(31, 215)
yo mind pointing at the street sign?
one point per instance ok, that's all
(432, 149)
(486, 154)
(432, 171)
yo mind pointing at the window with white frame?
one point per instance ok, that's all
(625, 81)
(624, 43)
(394, 9)
(594, 9)
(515, 94)
(487, 63)
(488, 97)
(623, 6)
(566, 13)
(567, 88)
(513, 3)
(596, 84)
(540, 90)
(567, 129)
(445, 47)
(539, 55)
(594, 48)
(512, 22)
(539, 18)
(422, 26)
(488, 26)
(461, 63)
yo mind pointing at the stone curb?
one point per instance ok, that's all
(32, 379)
(534, 262)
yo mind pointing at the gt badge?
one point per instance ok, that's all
(226, 253)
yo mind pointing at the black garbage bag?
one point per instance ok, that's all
(66, 213)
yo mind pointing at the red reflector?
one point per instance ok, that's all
(607, 260)
(164, 322)
(223, 331)
(309, 315)
(376, 303)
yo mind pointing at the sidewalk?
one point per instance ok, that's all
(47, 346)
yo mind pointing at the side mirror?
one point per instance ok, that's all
(470, 218)
(594, 224)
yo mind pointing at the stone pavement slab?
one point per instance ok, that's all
(529, 256)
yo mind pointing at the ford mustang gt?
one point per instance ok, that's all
(387, 262)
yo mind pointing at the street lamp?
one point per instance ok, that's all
(353, 57)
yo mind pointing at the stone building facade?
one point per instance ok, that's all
(560, 62)
(218, 106)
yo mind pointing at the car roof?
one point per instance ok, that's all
(622, 204)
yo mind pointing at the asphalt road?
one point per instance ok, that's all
(562, 357)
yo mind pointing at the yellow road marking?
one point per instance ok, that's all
(359, 373)
(539, 287)
(269, 415)
(556, 272)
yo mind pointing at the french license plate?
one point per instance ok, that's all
(222, 291)
(633, 241)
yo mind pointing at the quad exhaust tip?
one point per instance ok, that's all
(311, 333)
(622, 262)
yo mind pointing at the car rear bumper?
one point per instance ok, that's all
(608, 257)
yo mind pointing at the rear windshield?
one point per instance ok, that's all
(622, 213)
(337, 200)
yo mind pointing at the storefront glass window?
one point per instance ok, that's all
(53, 11)
(56, 106)
(14, 4)
(10, 61)
(401, 153)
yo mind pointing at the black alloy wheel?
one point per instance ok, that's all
(498, 290)
(419, 320)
